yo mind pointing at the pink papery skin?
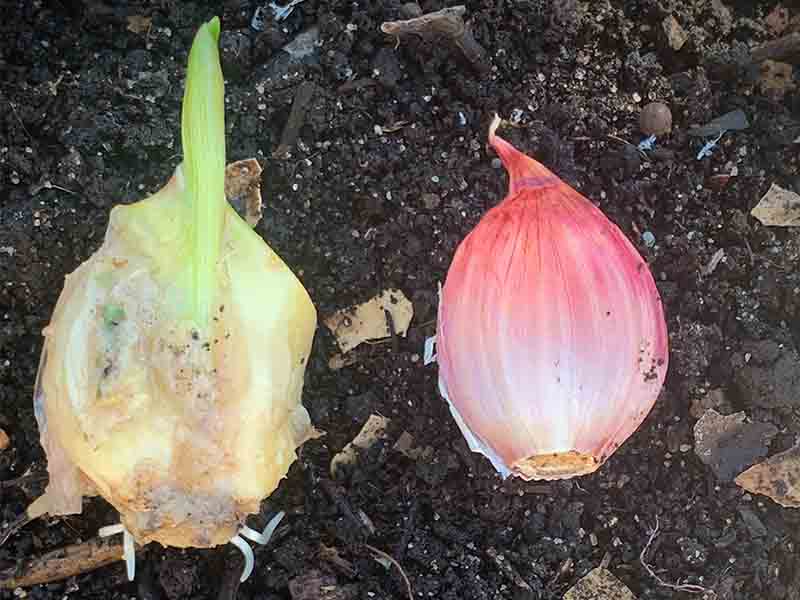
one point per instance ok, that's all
(551, 333)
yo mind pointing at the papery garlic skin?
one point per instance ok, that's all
(552, 343)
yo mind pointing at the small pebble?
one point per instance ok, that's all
(655, 119)
(649, 239)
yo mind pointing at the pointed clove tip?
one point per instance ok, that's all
(523, 170)
(496, 122)
(502, 147)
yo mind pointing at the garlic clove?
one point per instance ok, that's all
(551, 338)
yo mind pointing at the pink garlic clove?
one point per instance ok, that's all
(551, 335)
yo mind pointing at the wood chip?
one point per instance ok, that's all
(599, 584)
(778, 208)
(778, 477)
(63, 563)
(355, 325)
(372, 431)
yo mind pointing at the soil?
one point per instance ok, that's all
(389, 171)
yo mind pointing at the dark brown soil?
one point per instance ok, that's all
(93, 108)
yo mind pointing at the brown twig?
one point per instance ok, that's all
(689, 588)
(507, 570)
(13, 527)
(302, 98)
(563, 569)
(63, 563)
(27, 477)
(447, 23)
(14, 110)
(411, 522)
(356, 85)
(343, 505)
(388, 557)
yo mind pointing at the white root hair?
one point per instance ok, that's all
(261, 538)
(128, 546)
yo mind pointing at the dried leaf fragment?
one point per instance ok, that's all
(735, 120)
(777, 477)
(368, 321)
(778, 208)
(243, 189)
(139, 23)
(776, 78)
(406, 446)
(599, 584)
(674, 33)
(372, 431)
(728, 443)
(340, 361)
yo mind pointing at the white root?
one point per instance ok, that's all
(110, 530)
(429, 355)
(129, 552)
(264, 536)
(128, 546)
(249, 559)
(261, 538)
